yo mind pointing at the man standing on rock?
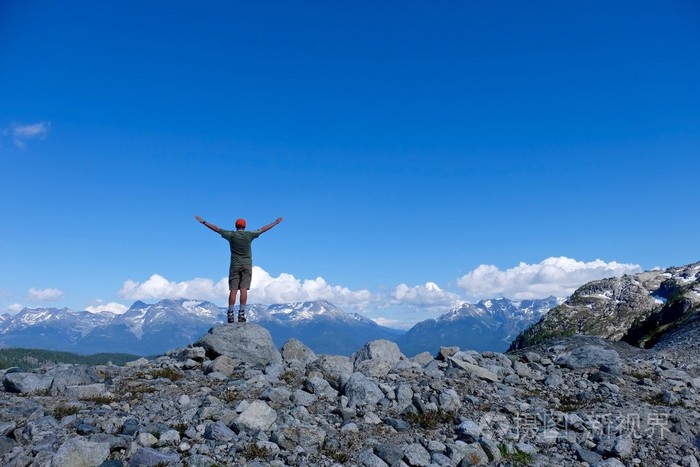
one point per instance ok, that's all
(240, 272)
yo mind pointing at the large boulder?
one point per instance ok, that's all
(27, 383)
(73, 375)
(79, 451)
(247, 342)
(377, 358)
(591, 356)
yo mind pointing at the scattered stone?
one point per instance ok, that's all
(593, 407)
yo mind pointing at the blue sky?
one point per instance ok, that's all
(422, 154)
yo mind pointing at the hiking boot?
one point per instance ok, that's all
(230, 317)
(241, 317)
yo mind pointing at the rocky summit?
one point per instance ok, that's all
(234, 398)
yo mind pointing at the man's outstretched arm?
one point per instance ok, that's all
(208, 224)
(267, 227)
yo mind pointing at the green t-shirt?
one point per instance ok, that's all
(240, 241)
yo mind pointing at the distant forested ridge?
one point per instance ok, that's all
(33, 358)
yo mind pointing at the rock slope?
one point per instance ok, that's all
(233, 398)
(638, 309)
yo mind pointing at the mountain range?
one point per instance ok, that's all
(486, 325)
(639, 309)
(151, 329)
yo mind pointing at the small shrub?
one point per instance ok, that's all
(167, 373)
(660, 399)
(99, 399)
(339, 451)
(180, 428)
(516, 458)
(290, 377)
(231, 395)
(254, 451)
(430, 419)
(135, 391)
(65, 410)
(337, 455)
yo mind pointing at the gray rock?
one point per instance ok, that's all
(361, 391)
(612, 462)
(469, 431)
(473, 370)
(79, 452)
(169, 438)
(73, 375)
(218, 431)
(140, 362)
(367, 458)
(197, 354)
(449, 400)
(320, 387)
(7, 427)
(150, 457)
(88, 391)
(199, 460)
(27, 383)
(553, 381)
(591, 356)
(224, 365)
(294, 349)
(403, 396)
(440, 459)
(300, 397)
(335, 368)
(398, 424)
(416, 455)
(257, 416)
(588, 456)
(278, 395)
(42, 428)
(249, 343)
(377, 358)
(422, 358)
(309, 437)
(6, 445)
(474, 455)
(389, 453)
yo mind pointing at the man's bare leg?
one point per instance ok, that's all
(241, 309)
(231, 302)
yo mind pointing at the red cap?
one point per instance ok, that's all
(240, 223)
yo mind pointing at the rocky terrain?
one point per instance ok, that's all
(639, 309)
(233, 398)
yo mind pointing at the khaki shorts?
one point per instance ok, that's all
(240, 278)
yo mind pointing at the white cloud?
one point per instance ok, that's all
(403, 306)
(394, 323)
(425, 296)
(286, 288)
(158, 287)
(45, 295)
(554, 276)
(113, 307)
(21, 133)
(264, 289)
(15, 308)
